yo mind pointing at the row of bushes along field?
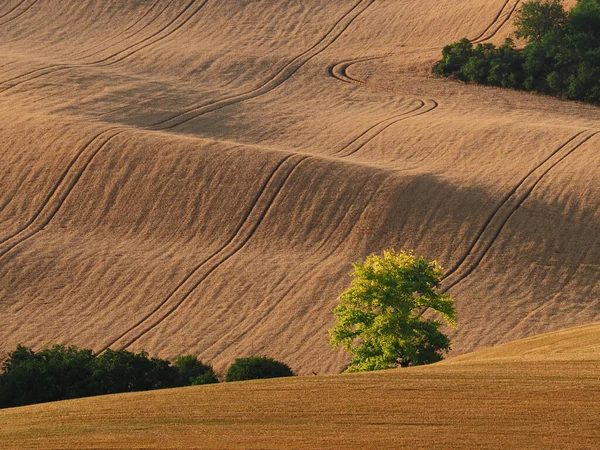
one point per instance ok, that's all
(60, 373)
(561, 56)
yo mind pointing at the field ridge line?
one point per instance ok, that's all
(281, 76)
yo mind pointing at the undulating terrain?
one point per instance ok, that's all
(538, 393)
(196, 176)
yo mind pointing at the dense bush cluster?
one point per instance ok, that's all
(257, 367)
(60, 373)
(561, 56)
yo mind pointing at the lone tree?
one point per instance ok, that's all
(380, 317)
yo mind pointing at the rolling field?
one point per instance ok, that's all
(196, 176)
(542, 392)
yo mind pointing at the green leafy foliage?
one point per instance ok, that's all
(257, 367)
(380, 317)
(193, 372)
(538, 17)
(61, 372)
(561, 56)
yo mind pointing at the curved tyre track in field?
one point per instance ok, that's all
(509, 205)
(504, 15)
(363, 139)
(61, 190)
(339, 71)
(284, 74)
(269, 310)
(493, 226)
(20, 13)
(49, 210)
(117, 56)
(82, 54)
(252, 219)
(12, 9)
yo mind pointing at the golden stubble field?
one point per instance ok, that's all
(197, 175)
(539, 393)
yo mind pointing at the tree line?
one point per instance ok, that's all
(561, 56)
(60, 373)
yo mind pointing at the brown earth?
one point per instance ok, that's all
(197, 175)
(539, 393)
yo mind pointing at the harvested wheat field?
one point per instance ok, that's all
(540, 392)
(196, 176)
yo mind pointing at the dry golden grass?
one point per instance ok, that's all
(541, 393)
(196, 175)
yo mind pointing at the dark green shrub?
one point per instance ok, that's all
(193, 372)
(123, 371)
(257, 367)
(53, 374)
(561, 58)
(538, 17)
(454, 57)
(65, 372)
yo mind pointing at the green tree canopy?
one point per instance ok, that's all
(61, 372)
(561, 58)
(193, 372)
(256, 368)
(538, 17)
(380, 317)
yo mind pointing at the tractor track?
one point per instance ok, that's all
(260, 207)
(324, 258)
(122, 32)
(23, 11)
(494, 225)
(115, 57)
(281, 76)
(498, 22)
(339, 71)
(12, 9)
(61, 190)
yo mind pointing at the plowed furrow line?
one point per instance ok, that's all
(380, 127)
(500, 217)
(340, 72)
(276, 80)
(267, 311)
(102, 44)
(253, 218)
(115, 57)
(12, 9)
(60, 192)
(493, 22)
(21, 12)
(499, 23)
